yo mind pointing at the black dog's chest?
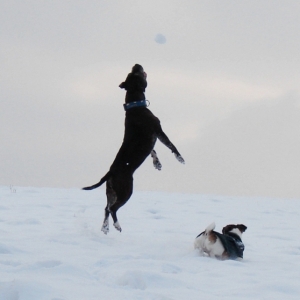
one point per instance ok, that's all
(140, 122)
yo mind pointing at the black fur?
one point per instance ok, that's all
(232, 244)
(142, 129)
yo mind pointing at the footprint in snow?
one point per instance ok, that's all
(154, 214)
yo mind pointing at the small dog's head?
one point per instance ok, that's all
(229, 228)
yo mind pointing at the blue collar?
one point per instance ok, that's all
(130, 105)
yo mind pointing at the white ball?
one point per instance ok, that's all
(160, 39)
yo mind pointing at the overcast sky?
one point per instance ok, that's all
(225, 86)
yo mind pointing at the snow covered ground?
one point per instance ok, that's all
(51, 247)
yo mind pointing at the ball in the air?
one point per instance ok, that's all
(160, 39)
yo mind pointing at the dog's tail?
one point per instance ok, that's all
(103, 179)
(210, 227)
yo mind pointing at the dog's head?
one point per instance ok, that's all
(137, 69)
(230, 228)
(137, 75)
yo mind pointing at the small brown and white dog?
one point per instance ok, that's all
(228, 245)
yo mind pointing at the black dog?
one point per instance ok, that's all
(142, 129)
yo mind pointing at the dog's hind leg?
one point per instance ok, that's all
(113, 212)
(156, 163)
(111, 200)
(165, 140)
(105, 226)
(123, 194)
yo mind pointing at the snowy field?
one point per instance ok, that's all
(52, 248)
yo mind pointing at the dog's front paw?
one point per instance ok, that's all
(179, 158)
(157, 165)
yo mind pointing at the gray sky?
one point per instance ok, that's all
(225, 86)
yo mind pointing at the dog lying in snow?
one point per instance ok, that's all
(228, 245)
(142, 129)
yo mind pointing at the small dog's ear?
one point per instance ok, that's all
(241, 227)
(228, 228)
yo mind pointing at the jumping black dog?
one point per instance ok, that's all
(142, 129)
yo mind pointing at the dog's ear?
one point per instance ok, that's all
(122, 85)
(228, 228)
(241, 227)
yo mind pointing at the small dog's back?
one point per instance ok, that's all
(208, 242)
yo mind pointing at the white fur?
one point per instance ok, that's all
(179, 158)
(236, 231)
(206, 246)
(117, 226)
(200, 242)
(210, 227)
(156, 163)
(105, 226)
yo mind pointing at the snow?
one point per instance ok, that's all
(52, 247)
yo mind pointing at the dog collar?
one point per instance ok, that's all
(142, 103)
